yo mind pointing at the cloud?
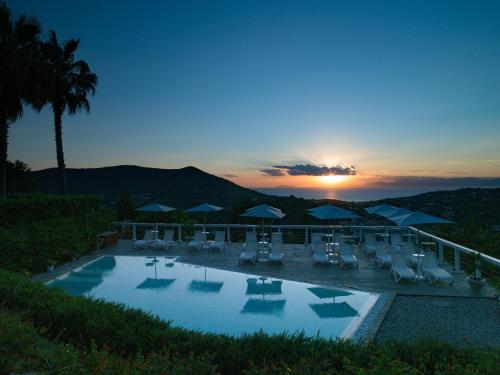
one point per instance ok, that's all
(309, 170)
(229, 175)
(273, 172)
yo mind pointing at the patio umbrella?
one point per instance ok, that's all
(418, 218)
(204, 208)
(154, 283)
(263, 306)
(254, 287)
(393, 212)
(333, 310)
(264, 211)
(155, 207)
(330, 212)
(206, 286)
(380, 207)
(329, 292)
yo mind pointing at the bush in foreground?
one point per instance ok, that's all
(131, 335)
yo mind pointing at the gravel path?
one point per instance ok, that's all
(458, 320)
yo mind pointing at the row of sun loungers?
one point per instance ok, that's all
(397, 256)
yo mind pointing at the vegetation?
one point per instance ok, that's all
(18, 62)
(38, 73)
(114, 334)
(39, 231)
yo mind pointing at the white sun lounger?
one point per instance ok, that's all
(347, 257)
(168, 239)
(146, 240)
(220, 241)
(277, 255)
(319, 254)
(197, 242)
(432, 271)
(315, 237)
(276, 237)
(382, 257)
(369, 244)
(249, 253)
(400, 270)
(250, 237)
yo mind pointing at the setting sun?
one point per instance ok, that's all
(332, 179)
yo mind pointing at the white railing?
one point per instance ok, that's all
(307, 229)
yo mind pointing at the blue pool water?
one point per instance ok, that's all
(217, 301)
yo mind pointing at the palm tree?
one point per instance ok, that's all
(18, 69)
(66, 83)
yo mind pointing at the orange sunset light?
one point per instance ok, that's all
(332, 179)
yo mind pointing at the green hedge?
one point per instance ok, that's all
(32, 208)
(25, 350)
(33, 246)
(132, 334)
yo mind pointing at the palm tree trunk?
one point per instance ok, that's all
(4, 143)
(63, 188)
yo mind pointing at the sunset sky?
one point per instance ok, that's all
(380, 91)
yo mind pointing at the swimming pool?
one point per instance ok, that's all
(211, 300)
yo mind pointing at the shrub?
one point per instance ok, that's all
(31, 208)
(33, 246)
(131, 333)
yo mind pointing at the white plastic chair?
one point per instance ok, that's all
(146, 240)
(249, 253)
(277, 255)
(219, 242)
(319, 254)
(197, 242)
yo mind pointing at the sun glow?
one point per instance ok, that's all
(332, 179)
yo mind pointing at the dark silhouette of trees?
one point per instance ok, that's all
(19, 63)
(65, 85)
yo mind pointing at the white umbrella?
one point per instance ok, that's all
(417, 218)
(330, 212)
(155, 207)
(205, 207)
(264, 211)
(379, 208)
(394, 213)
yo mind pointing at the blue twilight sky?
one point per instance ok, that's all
(393, 88)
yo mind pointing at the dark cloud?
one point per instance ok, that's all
(273, 172)
(309, 170)
(229, 175)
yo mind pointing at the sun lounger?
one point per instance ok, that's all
(315, 237)
(369, 243)
(400, 270)
(277, 236)
(220, 241)
(277, 255)
(319, 254)
(197, 242)
(250, 237)
(382, 257)
(168, 239)
(432, 271)
(146, 240)
(249, 253)
(346, 256)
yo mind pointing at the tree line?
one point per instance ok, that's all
(39, 72)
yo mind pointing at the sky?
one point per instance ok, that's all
(280, 93)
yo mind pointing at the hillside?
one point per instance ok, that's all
(180, 188)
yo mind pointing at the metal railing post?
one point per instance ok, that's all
(228, 231)
(457, 261)
(441, 253)
(134, 233)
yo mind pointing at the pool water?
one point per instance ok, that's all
(211, 300)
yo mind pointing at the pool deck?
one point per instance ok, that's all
(414, 300)
(298, 267)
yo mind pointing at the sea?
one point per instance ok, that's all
(353, 195)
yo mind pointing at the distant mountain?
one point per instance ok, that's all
(180, 188)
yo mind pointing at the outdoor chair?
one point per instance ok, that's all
(277, 255)
(249, 253)
(347, 257)
(319, 254)
(146, 240)
(432, 271)
(400, 270)
(219, 242)
(197, 242)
